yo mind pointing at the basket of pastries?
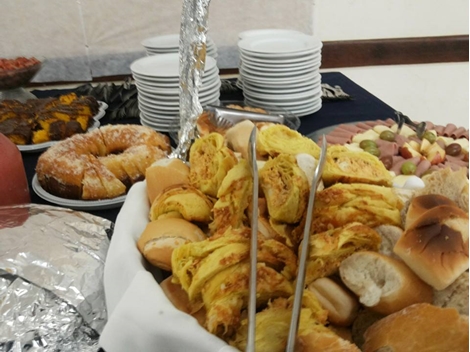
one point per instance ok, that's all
(387, 268)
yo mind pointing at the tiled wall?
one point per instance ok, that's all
(80, 39)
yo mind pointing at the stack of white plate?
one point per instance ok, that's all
(283, 70)
(158, 87)
(165, 44)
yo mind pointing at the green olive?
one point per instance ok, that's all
(408, 168)
(431, 137)
(387, 136)
(372, 150)
(367, 143)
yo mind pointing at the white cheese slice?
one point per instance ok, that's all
(369, 134)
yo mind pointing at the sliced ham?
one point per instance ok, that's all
(452, 165)
(335, 140)
(465, 134)
(389, 122)
(457, 160)
(458, 132)
(363, 126)
(429, 125)
(387, 148)
(397, 158)
(422, 167)
(350, 128)
(439, 129)
(449, 129)
(400, 140)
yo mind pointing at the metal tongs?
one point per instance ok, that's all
(401, 119)
(300, 283)
(226, 117)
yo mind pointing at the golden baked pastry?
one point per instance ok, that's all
(233, 199)
(328, 249)
(183, 201)
(210, 161)
(343, 203)
(285, 187)
(280, 139)
(216, 272)
(343, 165)
(100, 164)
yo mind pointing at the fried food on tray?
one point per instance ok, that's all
(328, 249)
(343, 203)
(280, 139)
(233, 199)
(285, 187)
(42, 120)
(210, 161)
(343, 165)
(182, 201)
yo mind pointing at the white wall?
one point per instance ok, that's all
(85, 38)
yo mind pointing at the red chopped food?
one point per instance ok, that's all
(18, 63)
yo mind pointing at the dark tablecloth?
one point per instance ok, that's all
(362, 107)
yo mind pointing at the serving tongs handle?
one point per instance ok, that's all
(250, 345)
(299, 287)
(236, 115)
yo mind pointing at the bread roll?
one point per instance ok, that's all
(165, 173)
(436, 246)
(449, 183)
(420, 327)
(384, 284)
(390, 235)
(454, 296)
(342, 305)
(324, 342)
(162, 236)
(237, 137)
(420, 204)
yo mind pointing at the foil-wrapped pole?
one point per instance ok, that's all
(192, 48)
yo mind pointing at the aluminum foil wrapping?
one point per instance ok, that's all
(192, 48)
(51, 279)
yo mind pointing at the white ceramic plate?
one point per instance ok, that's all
(279, 82)
(272, 32)
(276, 74)
(285, 97)
(164, 66)
(280, 68)
(174, 82)
(280, 45)
(174, 91)
(33, 148)
(308, 86)
(76, 204)
(279, 61)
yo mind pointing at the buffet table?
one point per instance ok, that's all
(362, 106)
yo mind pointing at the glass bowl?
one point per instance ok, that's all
(12, 80)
